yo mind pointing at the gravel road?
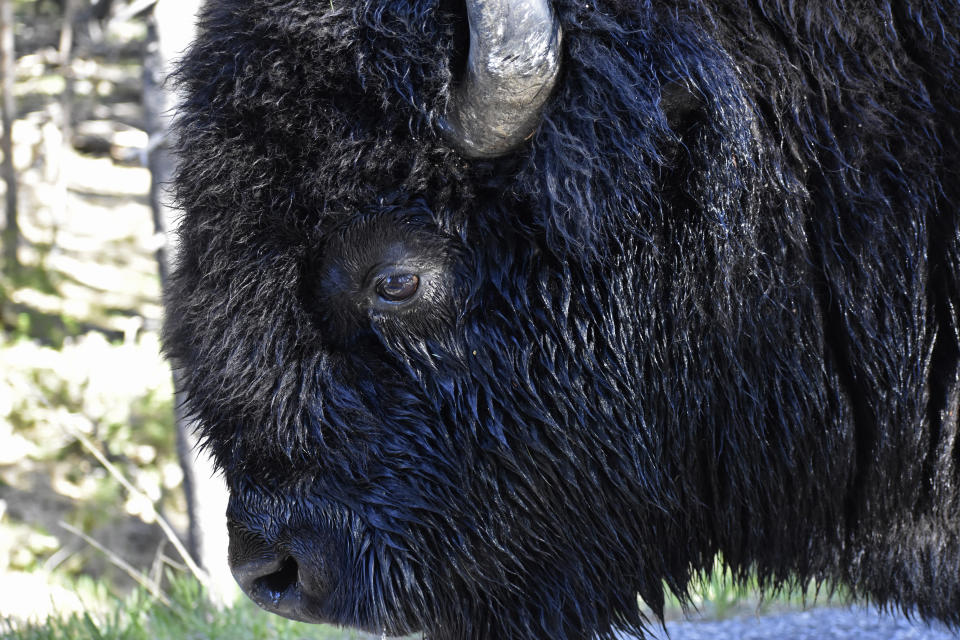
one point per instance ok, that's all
(854, 623)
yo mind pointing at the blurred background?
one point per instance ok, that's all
(92, 468)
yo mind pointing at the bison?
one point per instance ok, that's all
(497, 315)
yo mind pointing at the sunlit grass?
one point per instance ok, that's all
(191, 615)
(717, 596)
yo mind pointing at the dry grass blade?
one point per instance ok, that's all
(168, 531)
(152, 587)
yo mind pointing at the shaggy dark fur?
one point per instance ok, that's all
(709, 307)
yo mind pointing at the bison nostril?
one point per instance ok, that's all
(291, 582)
(268, 581)
(275, 584)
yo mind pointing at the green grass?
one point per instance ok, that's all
(718, 596)
(191, 616)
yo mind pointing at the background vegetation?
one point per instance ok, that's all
(88, 456)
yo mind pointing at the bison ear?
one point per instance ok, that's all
(682, 105)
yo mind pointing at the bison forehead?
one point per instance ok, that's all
(370, 82)
(356, 69)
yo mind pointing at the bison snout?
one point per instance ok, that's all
(278, 580)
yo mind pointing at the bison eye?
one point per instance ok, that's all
(397, 286)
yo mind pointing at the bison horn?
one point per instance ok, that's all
(512, 67)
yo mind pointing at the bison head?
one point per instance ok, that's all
(487, 342)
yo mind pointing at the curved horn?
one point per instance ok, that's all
(512, 67)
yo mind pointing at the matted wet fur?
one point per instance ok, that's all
(710, 306)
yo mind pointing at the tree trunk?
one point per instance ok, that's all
(205, 490)
(11, 230)
(64, 118)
